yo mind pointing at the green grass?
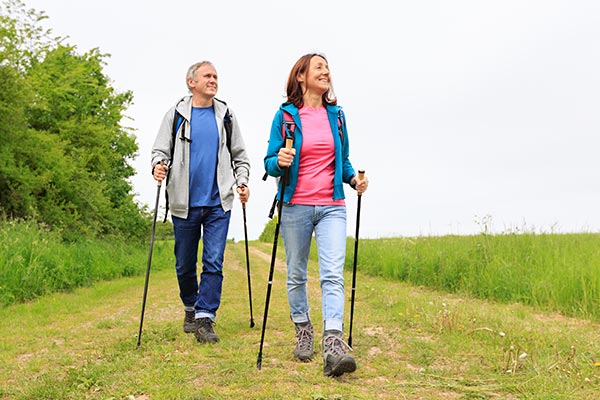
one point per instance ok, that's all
(410, 343)
(490, 317)
(554, 272)
(36, 262)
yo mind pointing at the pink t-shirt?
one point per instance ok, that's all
(317, 160)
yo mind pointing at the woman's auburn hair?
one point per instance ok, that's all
(294, 89)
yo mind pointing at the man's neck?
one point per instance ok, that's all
(201, 101)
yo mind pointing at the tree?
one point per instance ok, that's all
(69, 153)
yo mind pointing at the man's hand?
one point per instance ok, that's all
(244, 193)
(160, 172)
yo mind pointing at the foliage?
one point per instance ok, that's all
(22, 36)
(164, 230)
(67, 155)
(269, 231)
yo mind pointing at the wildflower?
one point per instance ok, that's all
(597, 364)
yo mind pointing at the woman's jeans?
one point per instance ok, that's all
(298, 222)
(211, 224)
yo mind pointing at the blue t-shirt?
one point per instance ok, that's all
(203, 158)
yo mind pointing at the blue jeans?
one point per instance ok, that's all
(298, 222)
(213, 223)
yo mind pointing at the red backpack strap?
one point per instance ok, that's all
(287, 131)
(288, 127)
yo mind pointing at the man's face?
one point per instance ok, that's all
(205, 83)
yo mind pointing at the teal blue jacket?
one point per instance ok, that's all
(343, 168)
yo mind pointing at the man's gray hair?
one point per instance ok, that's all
(191, 73)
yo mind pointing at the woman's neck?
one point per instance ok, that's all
(312, 100)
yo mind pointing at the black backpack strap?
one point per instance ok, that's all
(177, 121)
(228, 124)
(341, 123)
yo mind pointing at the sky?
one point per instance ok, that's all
(466, 115)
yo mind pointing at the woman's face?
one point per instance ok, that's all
(317, 78)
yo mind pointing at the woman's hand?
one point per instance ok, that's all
(285, 157)
(359, 184)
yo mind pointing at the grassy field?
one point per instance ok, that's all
(410, 342)
(553, 272)
(35, 262)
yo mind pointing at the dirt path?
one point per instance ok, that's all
(409, 342)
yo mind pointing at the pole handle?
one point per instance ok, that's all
(361, 176)
(289, 142)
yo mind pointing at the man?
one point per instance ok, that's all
(203, 168)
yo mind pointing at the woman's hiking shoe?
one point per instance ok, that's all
(204, 331)
(336, 361)
(305, 335)
(189, 322)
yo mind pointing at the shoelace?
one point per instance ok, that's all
(305, 337)
(207, 324)
(336, 345)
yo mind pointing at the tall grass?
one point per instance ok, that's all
(555, 272)
(35, 261)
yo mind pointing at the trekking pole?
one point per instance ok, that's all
(149, 261)
(361, 174)
(288, 145)
(248, 266)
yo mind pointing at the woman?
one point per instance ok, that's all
(318, 167)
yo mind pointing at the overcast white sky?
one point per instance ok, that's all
(455, 109)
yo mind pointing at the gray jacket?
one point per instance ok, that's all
(228, 177)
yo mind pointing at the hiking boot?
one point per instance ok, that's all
(335, 359)
(204, 331)
(304, 341)
(189, 322)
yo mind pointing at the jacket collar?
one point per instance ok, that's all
(184, 107)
